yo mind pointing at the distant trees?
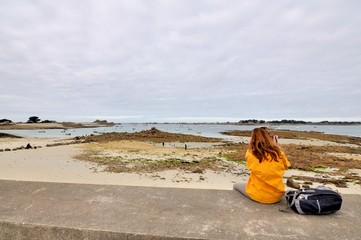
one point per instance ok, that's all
(285, 121)
(339, 123)
(251, 121)
(5, 121)
(291, 121)
(34, 119)
(48, 121)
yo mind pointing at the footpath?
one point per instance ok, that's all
(42, 210)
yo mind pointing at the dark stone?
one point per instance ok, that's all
(198, 170)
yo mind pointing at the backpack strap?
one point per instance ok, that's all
(289, 205)
(294, 195)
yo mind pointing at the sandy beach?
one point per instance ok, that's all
(58, 164)
(55, 161)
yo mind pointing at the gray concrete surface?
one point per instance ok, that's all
(40, 210)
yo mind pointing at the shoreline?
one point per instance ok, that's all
(72, 125)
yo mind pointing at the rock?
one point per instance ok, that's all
(7, 149)
(201, 178)
(197, 170)
(292, 184)
(341, 184)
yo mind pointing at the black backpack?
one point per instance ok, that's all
(318, 201)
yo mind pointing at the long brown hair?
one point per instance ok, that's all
(262, 144)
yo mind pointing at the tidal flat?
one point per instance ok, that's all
(156, 158)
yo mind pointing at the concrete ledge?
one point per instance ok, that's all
(30, 231)
(39, 210)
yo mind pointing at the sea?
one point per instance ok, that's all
(206, 130)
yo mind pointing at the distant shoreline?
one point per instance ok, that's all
(252, 124)
(72, 125)
(299, 124)
(54, 125)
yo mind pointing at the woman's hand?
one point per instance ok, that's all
(275, 139)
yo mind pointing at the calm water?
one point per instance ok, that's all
(207, 130)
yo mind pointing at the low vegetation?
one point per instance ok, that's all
(112, 152)
(141, 157)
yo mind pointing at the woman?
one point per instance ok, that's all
(267, 164)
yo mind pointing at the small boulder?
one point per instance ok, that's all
(197, 170)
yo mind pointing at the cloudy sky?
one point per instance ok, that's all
(180, 60)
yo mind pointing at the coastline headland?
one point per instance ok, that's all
(55, 125)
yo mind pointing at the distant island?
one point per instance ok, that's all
(297, 122)
(35, 122)
(261, 122)
(273, 122)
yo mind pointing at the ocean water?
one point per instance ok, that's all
(207, 130)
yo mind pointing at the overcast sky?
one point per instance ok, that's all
(180, 60)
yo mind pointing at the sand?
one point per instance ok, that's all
(58, 164)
